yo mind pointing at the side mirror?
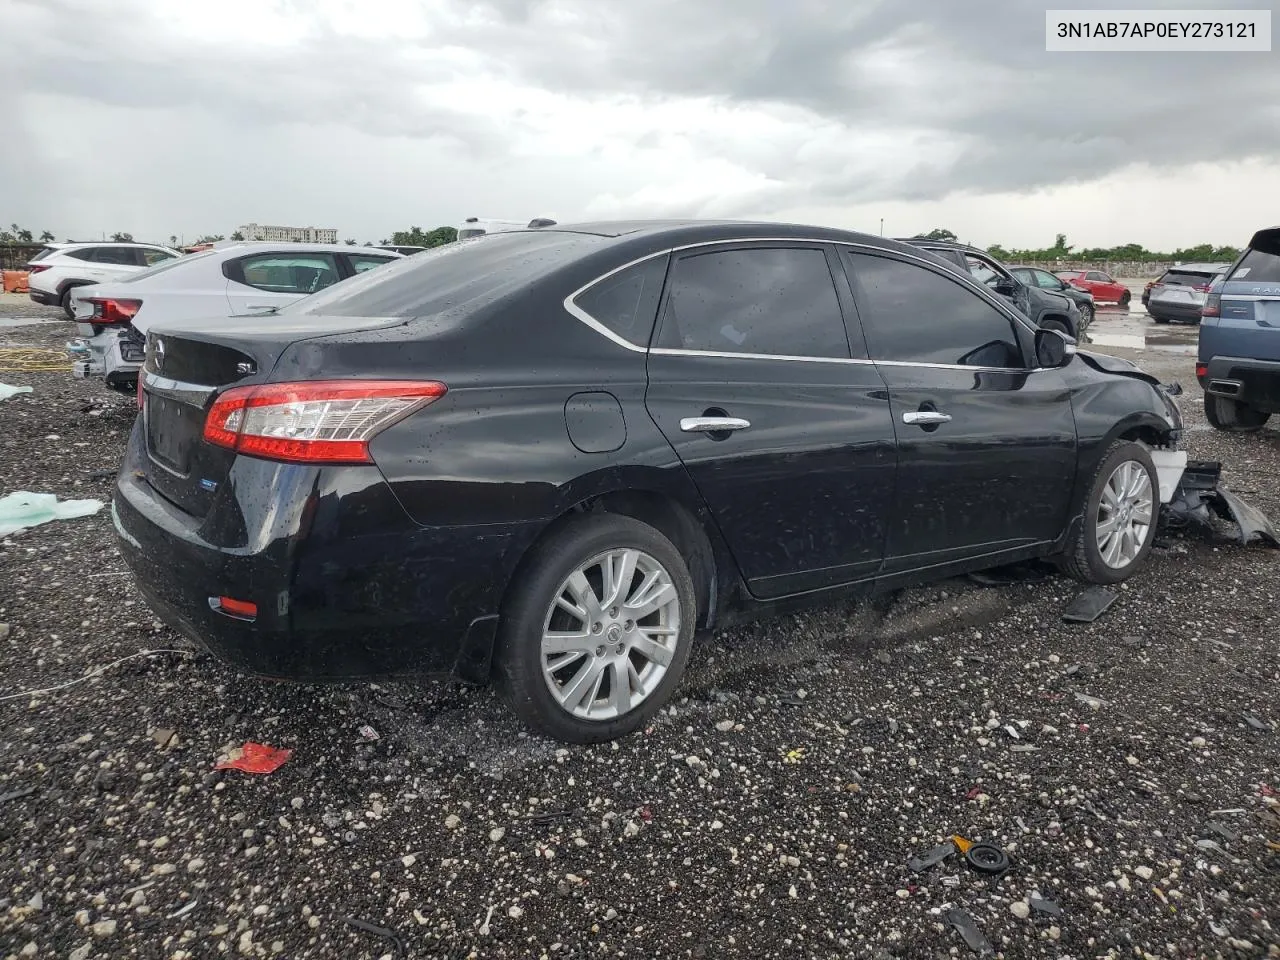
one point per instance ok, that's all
(1053, 349)
(1006, 287)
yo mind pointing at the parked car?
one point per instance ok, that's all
(405, 250)
(478, 227)
(1102, 287)
(60, 268)
(1044, 280)
(1180, 292)
(550, 456)
(1053, 311)
(231, 279)
(1238, 358)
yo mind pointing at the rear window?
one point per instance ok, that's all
(1258, 267)
(449, 276)
(1188, 278)
(42, 254)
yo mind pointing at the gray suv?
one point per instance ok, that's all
(1052, 311)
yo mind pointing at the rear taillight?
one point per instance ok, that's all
(1202, 371)
(1212, 306)
(37, 267)
(317, 421)
(1202, 287)
(141, 396)
(107, 311)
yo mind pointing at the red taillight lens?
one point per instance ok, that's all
(107, 311)
(317, 421)
(37, 267)
(142, 397)
(1202, 371)
(1212, 306)
(240, 609)
(1202, 287)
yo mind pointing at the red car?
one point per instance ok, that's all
(1103, 288)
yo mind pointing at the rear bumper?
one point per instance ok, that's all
(1253, 382)
(41, 297)
(346, 585)
(1174, 311)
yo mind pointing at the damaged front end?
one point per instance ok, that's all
(1201, 502)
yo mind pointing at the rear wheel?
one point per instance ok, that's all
(1119, 517)
(1125, 298)
(1224, 413)
(1159, 319)
(65, 301)
(596, 630)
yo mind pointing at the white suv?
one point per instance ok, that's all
(61, 267)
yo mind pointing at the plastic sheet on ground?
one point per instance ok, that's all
(24, 509)
(7, 391)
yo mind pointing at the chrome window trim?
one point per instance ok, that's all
(581, 315)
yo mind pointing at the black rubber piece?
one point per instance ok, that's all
(987, 858)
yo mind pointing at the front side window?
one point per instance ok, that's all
(151, 257)
(360, 262)
(117, 256)
(1048, 281)
(913, 315)
(762, 300)
(626, 302)
(301, 273)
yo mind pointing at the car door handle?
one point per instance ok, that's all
(924, 418)
(712, 424)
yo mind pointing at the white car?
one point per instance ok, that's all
(232, 279)
(58, 269)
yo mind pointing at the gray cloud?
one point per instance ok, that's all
(874, 100)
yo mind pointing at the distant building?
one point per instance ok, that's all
(255, 231)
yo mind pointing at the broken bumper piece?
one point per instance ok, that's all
(1200, 498)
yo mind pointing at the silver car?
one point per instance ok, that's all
(1180, 292)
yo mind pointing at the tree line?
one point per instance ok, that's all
(413, 237)
(1125, 252)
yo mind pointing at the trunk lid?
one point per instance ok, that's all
(187, 366)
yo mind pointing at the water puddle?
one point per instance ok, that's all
(1131, 341)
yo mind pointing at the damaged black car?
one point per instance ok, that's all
(551, 457)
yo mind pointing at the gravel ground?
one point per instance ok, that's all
(770, 812)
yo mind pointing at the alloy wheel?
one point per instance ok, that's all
(610, 634)
(1124, 515)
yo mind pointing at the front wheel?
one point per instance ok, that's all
(1125, 298)
(1223, 413)
(1119, 517)
(596, 629)
(1086, 316)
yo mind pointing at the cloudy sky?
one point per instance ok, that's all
(183, 117)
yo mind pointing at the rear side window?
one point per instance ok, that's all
(1097, 277)
(302, 273)
(451, 276)
(773, 300)
(88, 254)
(1258, 267)
(626, 302)
(913, 315)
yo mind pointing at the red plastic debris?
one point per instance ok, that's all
(646, 814)
(1268, 791)
(255, 758)
(973, 793)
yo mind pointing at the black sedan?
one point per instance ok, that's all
(550, 457)
(1035, 277)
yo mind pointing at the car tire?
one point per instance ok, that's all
(584, 709)
(65, 302)
(1223, 413)
(1125, 477)
(1057, 325)
(1125, 298)
(1086, 316)
(1159, 319)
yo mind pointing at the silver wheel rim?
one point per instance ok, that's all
(610, 634)
(1124, 515)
